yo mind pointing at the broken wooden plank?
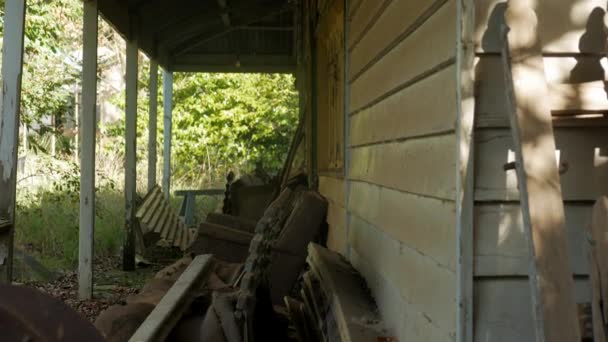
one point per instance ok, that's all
(172, 306)
(552, 285)
(352, 308)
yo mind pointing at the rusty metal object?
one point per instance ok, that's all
(30, 315)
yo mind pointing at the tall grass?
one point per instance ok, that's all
(47, 217)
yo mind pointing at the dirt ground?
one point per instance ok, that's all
(112, 285)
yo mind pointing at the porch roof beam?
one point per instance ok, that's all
(193, 25)
(200, 40)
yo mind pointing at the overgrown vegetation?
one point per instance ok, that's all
(222, 122)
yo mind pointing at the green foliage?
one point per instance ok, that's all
(52, 35)
(223, 122)
(233, 120)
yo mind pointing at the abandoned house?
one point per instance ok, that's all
(425, 125)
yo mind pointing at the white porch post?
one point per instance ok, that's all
(152, 130)
(130, 153)
(12, 66)
(168, 109)
(87, 157)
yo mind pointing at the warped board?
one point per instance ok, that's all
(583, 149)
(416, 113)
(500, 244)
(564, 26)
(503, 312)
(435, 37)
(351, 306)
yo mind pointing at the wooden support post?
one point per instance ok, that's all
(76, 127)
(168, 115)
(465, 57)
(130, 153)
(87, 163)
(152, 130)
(552, 285)
(12, 66)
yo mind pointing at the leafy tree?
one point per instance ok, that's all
(235, 121)
(52, 35)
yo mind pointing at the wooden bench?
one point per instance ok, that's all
(157, 220)
(186, 211)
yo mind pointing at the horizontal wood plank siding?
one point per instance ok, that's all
(421, 166)
(426, 287)
(423, 224)
(583, 149)
(564, 26)
(500, 245)
(426, 48)
(364, 17)
(400, 18)
(503, 312)
(398, 314)
(410, 112)
(402, 169)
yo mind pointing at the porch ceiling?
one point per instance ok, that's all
(209, 35)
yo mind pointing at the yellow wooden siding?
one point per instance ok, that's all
(402, 170)
(421, 223)
(410, 112)
(421, 166)
(425, 287)
(430, 45)
(400, 17)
